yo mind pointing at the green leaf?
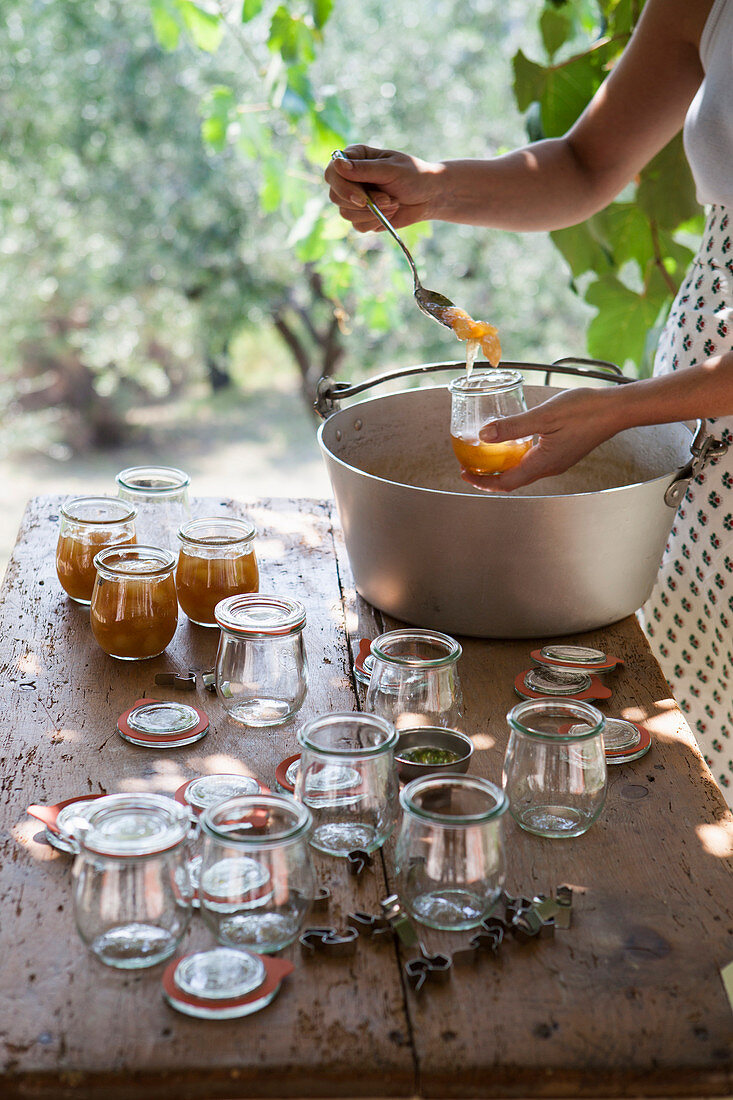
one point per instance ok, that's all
(567, 91)
(255, 135)
(581, 248)
(206, 30)
(555, 27)
(626, 231)
(322, 12)
(165, 25)
(217, 110)
(619, 330)
(667, 191)
(529, 80)
(250, 9)
(271, 189)
(290, 37)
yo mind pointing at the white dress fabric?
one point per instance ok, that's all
(689, 616)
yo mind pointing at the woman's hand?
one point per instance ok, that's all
(566, 428)
(402, 186)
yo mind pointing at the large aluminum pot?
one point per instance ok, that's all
(567, 554)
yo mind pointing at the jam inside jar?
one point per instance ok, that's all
(88, 525)
(134, 610)
(485, 396)
(217, 559)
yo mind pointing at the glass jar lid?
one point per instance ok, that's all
(481, 382)
(573, 654)
(549, 680)
(217, 531)
(261, 820)
(220, 973)
(424, 649)
(133, 825)
(153, 482)
(255, 614)
(163, 719)
(134, 561)
(454, 800)
(209, 790)
(98, 511)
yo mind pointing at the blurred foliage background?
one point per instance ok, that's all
(166, 235)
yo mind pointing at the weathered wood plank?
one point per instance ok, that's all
(630, 1000)
(70, 1026)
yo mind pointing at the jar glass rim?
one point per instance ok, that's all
(227, 821)
(433, 783)
(170, 480)
(520, 716)
(258, 614)
(222, 531)
(96, 833)
(112, 560)
(383, 729)
(451, 649)
(72, 508)
(481, 382)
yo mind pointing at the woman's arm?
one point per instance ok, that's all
(571, 424)
(561, 181)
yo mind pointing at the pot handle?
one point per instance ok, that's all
(703, 449)
(329, 393)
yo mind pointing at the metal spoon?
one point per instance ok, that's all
(429, 301)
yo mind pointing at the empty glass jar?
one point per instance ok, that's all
(348, 780)
(449, 859)
(160, 495)
(131, 888)
(261, 667)
(134, 609)
(88, 524)
(555, 766)
(216, 560)
(256, 881)
(475, 400)
(414, 679)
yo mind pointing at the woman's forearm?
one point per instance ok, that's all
(699, 392)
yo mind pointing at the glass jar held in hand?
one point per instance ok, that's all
(475, 400)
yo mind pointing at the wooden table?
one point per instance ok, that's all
(628, 1002)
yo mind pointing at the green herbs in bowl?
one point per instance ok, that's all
(429, 749)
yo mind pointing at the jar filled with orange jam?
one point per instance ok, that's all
(475, 400)
(216, 560)
(134, 610)
(88, 524)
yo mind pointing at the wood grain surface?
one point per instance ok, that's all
(627, 1002)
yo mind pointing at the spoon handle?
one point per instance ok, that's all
(338, 155)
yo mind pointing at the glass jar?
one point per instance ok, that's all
(257, 881)
(216, 560)
(160, 494)
(348, 780)
(131, 888)
(414, 679)
(261, 667)
(449, 859)
(134, 609)
(88, 524)
(475, 400)
(555, 766)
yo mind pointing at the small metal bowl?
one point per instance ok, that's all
(432, 737)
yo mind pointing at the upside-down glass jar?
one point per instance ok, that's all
(88, 524)
(475, 400)
(555, 766)
(132, 892)
(134, 610)
(414, 679)
(216, 560)
(261, 667)
(449, 858)
(160, 495)
(257, 882)
(348, 780)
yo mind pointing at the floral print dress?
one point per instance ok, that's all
(689, 616)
